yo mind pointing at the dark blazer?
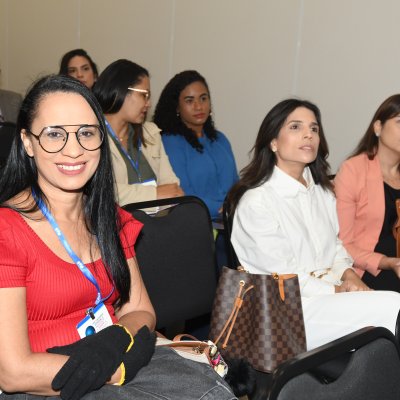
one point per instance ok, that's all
(10, 103)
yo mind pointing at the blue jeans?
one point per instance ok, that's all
(168, 376)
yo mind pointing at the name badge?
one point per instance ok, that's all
(150, 182)
(97, 319)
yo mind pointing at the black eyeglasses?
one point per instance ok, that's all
(53, 139)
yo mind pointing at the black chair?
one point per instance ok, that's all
(227, 218)
(372, 372)
(176, 254)
(7, 133)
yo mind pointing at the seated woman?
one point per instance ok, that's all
(141, 168)
(200, 155)
(367, 186)
(78, 64)
(68, 267)
(286, 222)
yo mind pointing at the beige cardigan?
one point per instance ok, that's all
(156, 157)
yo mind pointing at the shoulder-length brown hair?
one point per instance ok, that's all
(369, 142)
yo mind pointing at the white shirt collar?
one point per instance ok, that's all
(287, 186)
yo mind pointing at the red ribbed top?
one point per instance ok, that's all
(57, 292)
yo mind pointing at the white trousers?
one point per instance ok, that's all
(328, 317)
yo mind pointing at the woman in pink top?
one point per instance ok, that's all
(76, 320)
(366, 187)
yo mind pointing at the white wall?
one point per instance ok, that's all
(341, 54)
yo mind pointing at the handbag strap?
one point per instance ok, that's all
(179, 337)
(229, 324)
(281, 282)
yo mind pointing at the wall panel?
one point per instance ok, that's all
(341, 54)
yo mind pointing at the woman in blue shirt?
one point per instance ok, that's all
(200, 155)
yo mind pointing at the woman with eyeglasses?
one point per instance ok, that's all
(141, 167)
(78, 64)
(76, 319)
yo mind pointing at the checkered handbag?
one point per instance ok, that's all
(258, 317)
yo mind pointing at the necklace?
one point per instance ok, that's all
(123, 134)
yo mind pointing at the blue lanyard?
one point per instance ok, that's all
(85, 271)
(135, 164)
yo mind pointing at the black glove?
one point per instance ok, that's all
(241, 376)
(92, 362)
(140, 353)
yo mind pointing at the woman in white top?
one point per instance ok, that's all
(285, 221)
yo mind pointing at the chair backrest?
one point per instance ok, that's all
(176, 254)
(372, 372)
(7, 133)
(227, 218)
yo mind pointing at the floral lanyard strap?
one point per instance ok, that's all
(79, 263)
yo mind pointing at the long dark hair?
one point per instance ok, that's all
(112, 87)
(165, 115)
(369, 143)
(101, 217)
(73, 53)
(264, 159)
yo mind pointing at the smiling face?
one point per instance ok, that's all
(297, 142)
(194, 106)
(136, 103)
(79, 68)
(72, 167)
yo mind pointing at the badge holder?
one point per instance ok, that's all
(97, 318)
